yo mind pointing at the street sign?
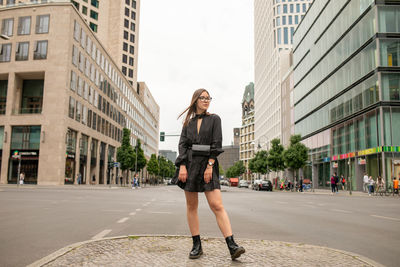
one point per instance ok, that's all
(162, 136)
(117, 164)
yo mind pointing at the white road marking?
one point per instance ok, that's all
(161, 212)
(344, 211)
(102, 234)
(123, 220)
(138, 209)
(132, 213)
(387, 218)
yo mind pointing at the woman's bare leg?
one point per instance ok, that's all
(215, 202)
(192, 203)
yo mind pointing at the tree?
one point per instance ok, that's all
(221, 170)
(236, 170)
(296, 155)
(141, 159)
(171, 169)
(125, 153)
(259, 164)
(152, 166)
(163, 166)
(275, 156)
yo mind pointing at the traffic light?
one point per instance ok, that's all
(162, 136)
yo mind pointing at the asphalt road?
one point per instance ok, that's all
(37, 221)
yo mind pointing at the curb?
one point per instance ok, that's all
(59, 253)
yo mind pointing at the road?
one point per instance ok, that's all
(37, 221)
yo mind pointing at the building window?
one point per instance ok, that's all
(73, 81)
(24, 25)
(296, 19)
(25, 137)
(130, 73)
(94, 15)
(131, 61)
(124, 58)
(132, 38)
(127, 2)
(285, 9)
(77, 31)
(75, 4)
(10, 2)
(7, 27)
(279, 35)
(78, 111)
(133, 15)
(42, 23)
(93, 26)
(5, 52)
(304, 8)
(133, 26)
(134, 4)
(95, 3)
(126, 34)
(291, 8)
(283, 20)
(125, 47)
(124, 70)
(22, 51)
(298, 8)
(84, 10)
(285, 35)
(132, 49)
(126, 23)
(40, 50)
(32, 96)
(290, 20)
(291, 34)
(3, 99)
(278, 21)
(126, 11)
(278, 10)
(71, 110)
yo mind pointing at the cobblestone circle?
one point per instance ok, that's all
(173, 251)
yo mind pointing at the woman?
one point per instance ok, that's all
(380, 184)
(371, 183)
(343, 181)
(198, 171)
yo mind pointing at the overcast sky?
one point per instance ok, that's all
(189, 44)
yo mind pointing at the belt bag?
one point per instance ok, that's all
(201, 150)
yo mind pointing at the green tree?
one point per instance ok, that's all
(152, 166)
(259, 164)
(236, 170)
(296, 155)
(221, 170)
(275, 156)
(141, 159)
(171, 169)
(163, 166)
(125, 153)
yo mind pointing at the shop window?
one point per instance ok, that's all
(25, 137)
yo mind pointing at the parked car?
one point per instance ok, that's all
(262, 185)
(224, 182)
(243, 183)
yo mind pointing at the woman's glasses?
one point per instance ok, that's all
(205, 99)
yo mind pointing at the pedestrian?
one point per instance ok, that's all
(79, 178)
(395, 185)
(21, 178)
(371, 183)
(199, 145)
(333, 184)
(301, 184)
(380, 184)
(120, 179)
(343, 181)
(365, 182)
(336, 183)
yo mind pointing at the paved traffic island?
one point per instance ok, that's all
(173, 251)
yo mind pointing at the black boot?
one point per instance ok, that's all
(196, 249)
(234, 248)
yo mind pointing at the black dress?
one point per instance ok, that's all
(210, 134)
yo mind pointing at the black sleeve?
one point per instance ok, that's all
(216, 143)
(182, 147)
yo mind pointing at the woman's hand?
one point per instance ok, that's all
(208, 174)
(182, 174)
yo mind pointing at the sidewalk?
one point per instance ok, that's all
(75, 187)
(173, 251)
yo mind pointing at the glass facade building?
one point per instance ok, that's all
(347, 86)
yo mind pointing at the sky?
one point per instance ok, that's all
(189, 44)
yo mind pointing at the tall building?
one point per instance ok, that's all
(231, 153)
(169, 154)
(347, 89)
(116, 25)
(247, 129)
(275, 22)
(64, 100)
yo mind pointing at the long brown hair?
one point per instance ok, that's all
(191, 109)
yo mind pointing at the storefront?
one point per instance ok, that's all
(70, 159)
(29, 166)
(83, 146)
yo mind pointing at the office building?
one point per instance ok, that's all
(347, 89)
(247, 129)
(64, 100)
